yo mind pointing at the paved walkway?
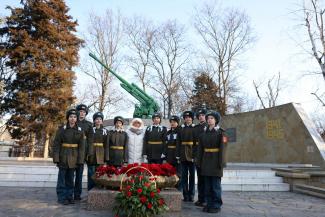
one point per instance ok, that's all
(41, 202)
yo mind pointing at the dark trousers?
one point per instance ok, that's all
(200, 186)
(155, 161)
(78, 181)
(91, 172)
(179, 174)
(188, 179)
(64, 186)
(213, 191)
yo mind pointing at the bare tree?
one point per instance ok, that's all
(314, 23)
(169, 55)
(272, 92)
(140, 34)
(104, 39)
(226, 35)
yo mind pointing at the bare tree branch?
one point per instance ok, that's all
(104, 39)
(226, 34)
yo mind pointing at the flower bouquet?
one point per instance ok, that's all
(139, 196)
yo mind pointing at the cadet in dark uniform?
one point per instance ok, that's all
(199, 129)
(87, 127)
(171, 143)
(154, 141)
(68, 154)
(186, 155)
(99, 144)
(210, 161)
(117, 150)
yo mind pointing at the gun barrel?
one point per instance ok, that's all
(110, 70)
(133, 89)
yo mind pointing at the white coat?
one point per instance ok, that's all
(135, 142)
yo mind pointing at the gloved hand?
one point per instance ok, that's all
(163, 156)
(145, 160)
(178, 160)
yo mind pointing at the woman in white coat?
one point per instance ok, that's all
(135, 141)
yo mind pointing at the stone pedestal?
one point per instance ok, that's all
(102, 199)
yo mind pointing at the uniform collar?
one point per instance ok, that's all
(82, 121)
(118, 130)
(206, 128)
(74, 127)
(185, 125)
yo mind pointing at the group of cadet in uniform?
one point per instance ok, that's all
(188, 147)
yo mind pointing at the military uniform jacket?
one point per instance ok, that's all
(117, 150)
(210, 152)
(199, 129)
(171, 144)
(69, 147)
(99, 146)
(87, 127)
(186, 143)
(154, 142)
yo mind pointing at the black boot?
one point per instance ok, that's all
(213, 210)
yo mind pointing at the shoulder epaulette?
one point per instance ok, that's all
(65, 127)
(183, 125)
(79, 129)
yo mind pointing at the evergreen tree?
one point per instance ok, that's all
(41, 48)
(206, 94)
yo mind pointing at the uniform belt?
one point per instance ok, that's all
(98, 144)
(187, 143)
(171, 146)
(154, 143)
(68, 145)
(117, 147)
(211, 150)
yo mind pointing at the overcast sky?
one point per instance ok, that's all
(276, 23)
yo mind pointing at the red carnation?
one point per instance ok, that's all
(143, 199)
(161, 201)
(158, 190)
(139, 191)
(128, 187)
(147, 184)
(152, 194)
(149, 205)
(129, 194)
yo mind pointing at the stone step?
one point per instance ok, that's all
(309, 189)
(31, 177)
(12, 175)
(36, 169)
(251, 180)
(256, 187)
(34, 184)
(225, 187)
(249, 173)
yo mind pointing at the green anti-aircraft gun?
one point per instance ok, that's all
(148, 106)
